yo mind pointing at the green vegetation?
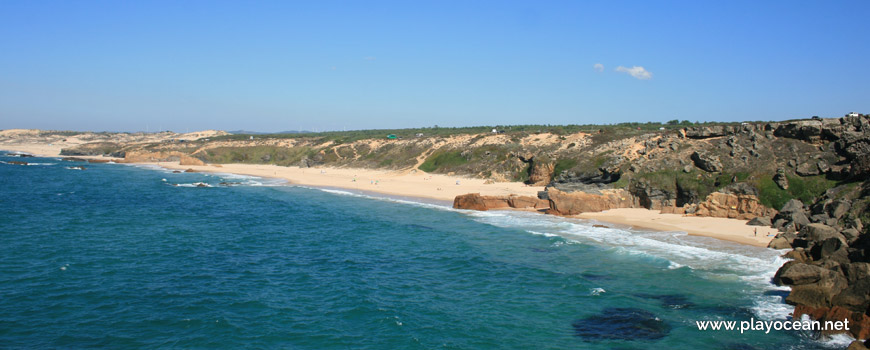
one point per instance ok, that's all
(700, 183)
(564, 164)
(92, 149)
(611, 130)
(258, 155)
(802, 188)
(443, 159)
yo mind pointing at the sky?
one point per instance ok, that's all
(336, 65)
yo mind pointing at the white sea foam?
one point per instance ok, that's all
(149, 167)
(382, 198)
(709, 258)
(837, 341)
(195, 184)
(249, 180)
(41, 164)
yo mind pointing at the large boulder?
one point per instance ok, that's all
(562, 203)
(780, 179)
(703, 132)
(706, 162)
(793, 205)
(838, 208)
(856, 296)
(798, 274)
(541, 171)
(527, 202)
(651, 197)
(779, 243)
(830, 250)
(471, 201)
(818, 233)
(792, 213)
(813, 295)
(807, 130)
(807, 169)
(474, 201)
(760, 221)
(731, 205)
(859, 323)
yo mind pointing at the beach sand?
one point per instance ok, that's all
(419, 184)
(722, 228)
(397, 183)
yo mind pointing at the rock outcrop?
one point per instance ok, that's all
(830, 272)
(474, 201)
(541, 171)
(562, 203)
(706, 162)
(172, 156)
(734, 202)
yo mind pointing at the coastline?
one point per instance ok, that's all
(444, 188)
(731, 230)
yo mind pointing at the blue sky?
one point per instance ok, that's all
(331, 65)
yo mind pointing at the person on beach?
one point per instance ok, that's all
(756, 232)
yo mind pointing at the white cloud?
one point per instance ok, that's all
(370, 58)
(598, 67)
(636, 71)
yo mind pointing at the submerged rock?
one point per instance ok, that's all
(671, 301)
(623, 324)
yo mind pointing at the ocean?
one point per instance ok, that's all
(118, 256)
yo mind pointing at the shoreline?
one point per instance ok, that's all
(442, 189)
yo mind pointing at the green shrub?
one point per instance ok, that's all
(806, 189)
(771, 195)
(441, 159)
(564, 164)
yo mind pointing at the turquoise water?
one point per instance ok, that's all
(115, 256)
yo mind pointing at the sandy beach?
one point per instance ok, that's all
(721, 228)
(444, 188)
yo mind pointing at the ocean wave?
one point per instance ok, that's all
(837, 341)
(709, 258)
(194, 184)
(382, 198)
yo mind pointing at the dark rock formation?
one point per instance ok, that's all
(791, 216)
(541, 171)
(807, 130)
(703, 132)
(707, 162)
(621, 323)
(830, 273)
(650, 197)
(760, 221)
